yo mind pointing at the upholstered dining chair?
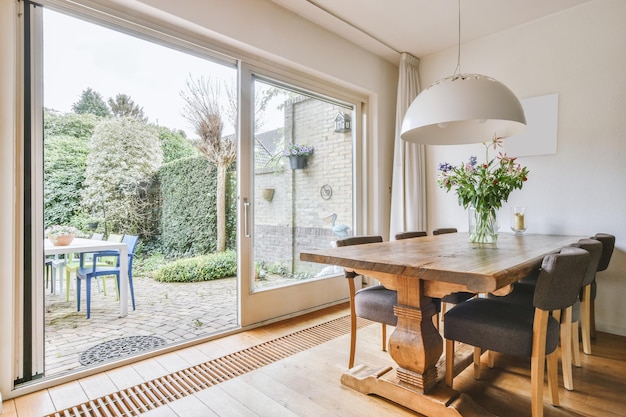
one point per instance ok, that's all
(87, 273)
(580, 314)
(608, 245)
(444, 230)
(410, 235)
(520, 330)
(571, 317)
(373, 303)
(455, 297)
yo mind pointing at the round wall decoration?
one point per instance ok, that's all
(326, 191)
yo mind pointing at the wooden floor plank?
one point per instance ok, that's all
(67, 395)
(223, 404)
(163, 411)
(125, 377)
(8, 409)
(254, 399)
(300, 404)
(97, 385)
(191, 406)
(36, 404)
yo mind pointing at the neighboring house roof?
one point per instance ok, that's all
(266, 146)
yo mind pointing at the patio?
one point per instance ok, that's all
(173, 311)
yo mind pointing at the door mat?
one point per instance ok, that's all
(117, 348)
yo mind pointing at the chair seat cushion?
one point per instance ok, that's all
(498, 326)
(376, 303)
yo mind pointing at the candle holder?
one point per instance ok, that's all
(518, 220)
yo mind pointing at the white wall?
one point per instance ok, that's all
(581, 55)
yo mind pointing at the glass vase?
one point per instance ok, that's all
(483, 225)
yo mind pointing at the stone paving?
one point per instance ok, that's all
(174, 311)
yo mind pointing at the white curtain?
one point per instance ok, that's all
(408, 192)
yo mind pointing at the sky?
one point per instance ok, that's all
(78, 55)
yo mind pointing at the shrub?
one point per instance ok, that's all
(199, 268)
(188, 221)
(124, 155)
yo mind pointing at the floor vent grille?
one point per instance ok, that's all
(160, 391)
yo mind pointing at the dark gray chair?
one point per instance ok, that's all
(410, 235)
(608, 244)
(372, 303)
(571, 317)
(580, 314)
(444, 230)
(455, 297)
(521, 330)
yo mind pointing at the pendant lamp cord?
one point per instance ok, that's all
(458, 53)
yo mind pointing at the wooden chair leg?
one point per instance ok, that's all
(566, 348)
(352, 323)
(575, 346)
(537, 361)
(585, 319)
(384, 336)
(491, 359)
(553, 377)
(449, 362)
(477, 352)
(592, 321)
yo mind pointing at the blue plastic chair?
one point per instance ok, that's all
(94, 271)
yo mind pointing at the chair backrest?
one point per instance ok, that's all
(608, 244)
(131, 241)
(444, 230)
(359, 240)
(594, 247)
(115, 238)
(97, 236)
(560, 278)
(356, 240)
(409, 235)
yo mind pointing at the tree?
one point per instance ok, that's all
(124, 155)
(91, 102)
(204, 109)
(66, 138)
(124, 106)
(175, 144)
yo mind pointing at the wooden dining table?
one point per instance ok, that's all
(419, 269)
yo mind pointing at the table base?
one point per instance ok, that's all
(441, 401)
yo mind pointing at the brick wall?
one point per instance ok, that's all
(293, 219)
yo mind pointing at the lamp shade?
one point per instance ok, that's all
(464, 108)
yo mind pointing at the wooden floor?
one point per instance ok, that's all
(307, 383)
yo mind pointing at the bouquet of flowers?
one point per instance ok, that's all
(484, 186)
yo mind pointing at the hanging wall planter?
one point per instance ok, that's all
(298, 155)
(267, 194)
(298, 161)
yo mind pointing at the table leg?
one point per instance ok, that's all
(124, 281)
(416, 346)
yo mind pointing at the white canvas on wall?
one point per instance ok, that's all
(539, 137)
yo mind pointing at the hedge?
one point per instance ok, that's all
(199, 268)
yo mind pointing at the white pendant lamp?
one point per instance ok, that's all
(463, 108)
